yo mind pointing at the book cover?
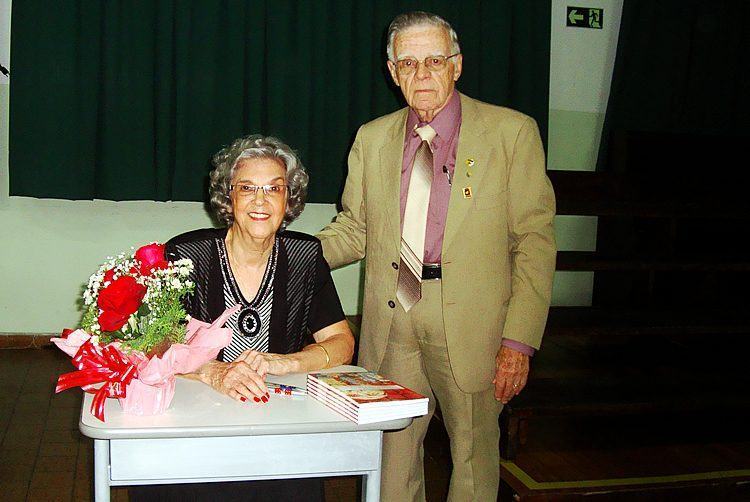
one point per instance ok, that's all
(366, 388)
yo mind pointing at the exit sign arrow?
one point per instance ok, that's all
(574, 17)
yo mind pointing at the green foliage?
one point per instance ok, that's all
(90, 317)
(162, 318)
(165, 321)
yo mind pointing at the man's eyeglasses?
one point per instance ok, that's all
(273, 191)
(433, 63)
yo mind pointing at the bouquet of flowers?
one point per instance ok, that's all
(136, 300)
(135, 335)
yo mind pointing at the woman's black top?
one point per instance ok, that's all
(304, 296)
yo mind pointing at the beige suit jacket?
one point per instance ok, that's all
(498, 254)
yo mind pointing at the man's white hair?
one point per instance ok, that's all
(419, 18)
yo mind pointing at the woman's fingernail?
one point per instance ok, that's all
(256, 399)
(264, 399)
(243, 398)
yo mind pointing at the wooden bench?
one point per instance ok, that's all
(614, 322)
(658, 210)
(585, 193)
(604, 397)
(596, 262)
(650, 368)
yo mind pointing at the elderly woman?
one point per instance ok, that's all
(281, 281)
(279, 277)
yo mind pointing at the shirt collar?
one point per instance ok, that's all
(444, 123)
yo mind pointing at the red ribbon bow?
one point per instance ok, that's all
(96, 365)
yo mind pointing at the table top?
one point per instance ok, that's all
(199, 411)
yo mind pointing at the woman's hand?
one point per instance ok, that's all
(236, 379)
(337, 345)
(265, 363)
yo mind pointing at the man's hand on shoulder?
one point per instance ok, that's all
(511, 373)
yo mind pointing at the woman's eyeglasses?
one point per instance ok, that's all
(246, 190)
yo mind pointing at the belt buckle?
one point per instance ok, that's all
(431, 272)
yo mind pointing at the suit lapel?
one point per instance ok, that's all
(473, 145)
(391, 158)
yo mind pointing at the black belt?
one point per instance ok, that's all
(431, 271)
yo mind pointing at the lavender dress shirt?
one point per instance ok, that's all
(447, 125)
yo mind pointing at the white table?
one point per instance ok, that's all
(206, 437)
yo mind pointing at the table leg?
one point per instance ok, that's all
(101, 470)
(371, 480)
(371, 486)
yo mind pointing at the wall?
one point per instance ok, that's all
(581, 62)
(50, 247)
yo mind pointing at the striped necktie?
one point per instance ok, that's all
(409, 289)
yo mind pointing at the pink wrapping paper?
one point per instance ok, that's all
(152, 391)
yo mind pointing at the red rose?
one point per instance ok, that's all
(109, 275)
(118, 300)
(110, 320)
(66, 332)
(151, 257)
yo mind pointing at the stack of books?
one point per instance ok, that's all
(365, 397)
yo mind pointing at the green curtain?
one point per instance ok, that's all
(681, 71)
(128, 100)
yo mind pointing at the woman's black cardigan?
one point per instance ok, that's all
(304, 296)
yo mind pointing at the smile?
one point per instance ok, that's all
(259, 216)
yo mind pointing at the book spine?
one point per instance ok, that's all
(331, 402)
(311, 378)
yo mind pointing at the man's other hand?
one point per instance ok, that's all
(511, 373)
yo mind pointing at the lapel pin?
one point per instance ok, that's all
(469, 165)
(467, 192)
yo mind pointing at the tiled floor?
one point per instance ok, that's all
(43, 456)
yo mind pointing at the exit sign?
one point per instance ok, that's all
(585, 17)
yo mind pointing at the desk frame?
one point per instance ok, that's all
(208, 437)
(120, 462)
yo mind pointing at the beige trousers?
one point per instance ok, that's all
(417, 357)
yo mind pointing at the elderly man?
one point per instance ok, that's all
(449, 201)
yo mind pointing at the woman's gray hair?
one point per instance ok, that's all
(256, 147)
(419, 18)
